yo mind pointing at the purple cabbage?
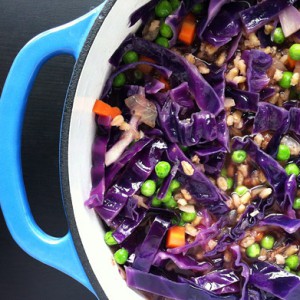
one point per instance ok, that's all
(128, 225)
(200, 128)
(137, 171)
(233, 46)
(182, 96)
(108, 84)
(213, 9)
(250, 218)
(199, 186)
(183, 262)
(213, 163)
(289, 196)
(245, 270)
(275, 280)
(244, 100)
(125, 46)
(143, 12)
(226, 25)
(174, 21)
(257, 63)
(127, 155)
(162, 286)
(286, 223)
(98, 160)
(216, 78)
(273, 171)
(153, 86)
(205, 96)
(146, 253)
(294, 114)
(270, 117)
(259, 15)
(219, 282)
(266, 93)
(166, 183)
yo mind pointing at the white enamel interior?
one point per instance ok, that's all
(82, 131)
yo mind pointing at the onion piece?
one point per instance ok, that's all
(115, 152)
(187, 208)
(290, 20)
(143, 108)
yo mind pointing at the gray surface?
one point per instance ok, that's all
(21, 277)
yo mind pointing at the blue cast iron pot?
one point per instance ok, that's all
(81, 253)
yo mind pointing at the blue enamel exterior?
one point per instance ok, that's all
(59, 253)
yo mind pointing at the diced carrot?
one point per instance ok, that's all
(103, 109)
(190, 17)
(188, 30)
(290, 63)
(146, 69)
(175, 237)
(259, 236)
(166, 83)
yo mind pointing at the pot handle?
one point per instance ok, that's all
(59, 253)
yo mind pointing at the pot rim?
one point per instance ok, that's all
(64, 149)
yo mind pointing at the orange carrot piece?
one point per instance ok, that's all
(259, 236)
(188, 30)
(103, 109)
(175, 237)
(146, 69)
(166, 83)
(290, 63)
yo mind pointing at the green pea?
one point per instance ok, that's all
(188, 217)
(159, 181)
(174, 185)
(162, 41)
(278, 36)
(174, 221)
(109, 239)
(224, 172)
(241, 190)
(286, 79)
(121, 256)
(156, 202)
(293, 94)
(138, 75)
(184, 148)
(296, 204)
(167, 197)
(292, 169)
(119, 80)
(148, 188)
(229, 183)
(163, 9)
(197, 8)
(253, 251)
(166, 31)
(171, 203)
(286, 268)
(283, 153)
(292, 262)
(130, 57)
(239, 156)
(162, 169)
(181, 223)
(175, 4)
(294, 52)
(267, 242)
